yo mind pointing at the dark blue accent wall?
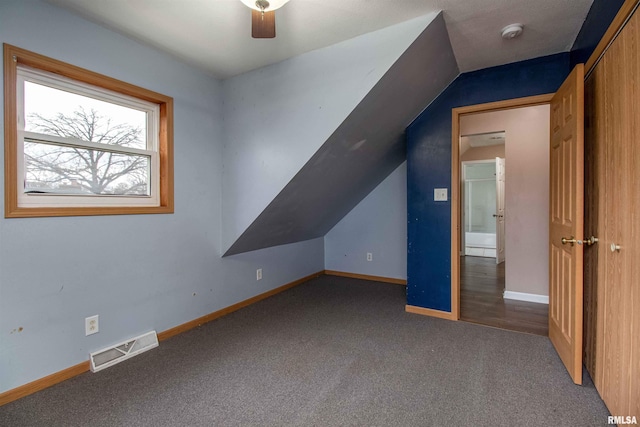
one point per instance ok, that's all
(429, 167)
(598, 20)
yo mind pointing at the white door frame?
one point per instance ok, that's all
(500, 208)
(463, 197)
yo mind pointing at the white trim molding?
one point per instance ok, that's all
(521, 296)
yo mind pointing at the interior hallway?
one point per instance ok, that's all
(481, 287)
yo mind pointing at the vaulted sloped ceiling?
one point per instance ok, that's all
(277, 117)
(330, 75)
(215, 34)
(367, 146)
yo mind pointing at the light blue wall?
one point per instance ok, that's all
(137, 272)
(277, 117)
(378, 225)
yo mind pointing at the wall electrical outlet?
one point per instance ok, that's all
(259, 274)
(91, 325)
(369, 256)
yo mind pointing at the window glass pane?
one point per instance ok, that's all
(79, 171)
(57, 112)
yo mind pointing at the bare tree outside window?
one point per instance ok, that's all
(79, 170)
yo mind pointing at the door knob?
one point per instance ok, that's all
(591, 241)
(615, 248)
(571, 241)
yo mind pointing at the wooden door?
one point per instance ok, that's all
(566, 222)
(500, 183)
(594, 196)
(616, 105)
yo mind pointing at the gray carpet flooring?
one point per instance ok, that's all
(330, 352)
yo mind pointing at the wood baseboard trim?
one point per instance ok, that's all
(60, 376)
(429, 312)
(42, 383)
(366, 277)
(235, 307)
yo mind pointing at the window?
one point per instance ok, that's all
(79, 143)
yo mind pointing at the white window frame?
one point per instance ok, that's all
(152, 110)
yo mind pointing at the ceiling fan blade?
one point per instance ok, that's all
(263, 25)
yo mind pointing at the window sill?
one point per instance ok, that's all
(19, 212)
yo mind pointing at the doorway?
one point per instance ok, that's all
(509, 291)
(482, 189)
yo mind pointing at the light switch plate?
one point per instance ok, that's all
(440, 194)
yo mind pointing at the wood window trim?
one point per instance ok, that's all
(14, 56)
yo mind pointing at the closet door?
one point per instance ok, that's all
(594, 194)
(632, 233)
(616, 107)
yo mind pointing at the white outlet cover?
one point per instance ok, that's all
(91, 325)
(440, 194)
(259, 274)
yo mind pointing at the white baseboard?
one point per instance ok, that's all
(521, 296)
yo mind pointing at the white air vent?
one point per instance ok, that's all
(125, 350)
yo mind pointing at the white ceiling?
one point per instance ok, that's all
(215, 35)
(484, 139)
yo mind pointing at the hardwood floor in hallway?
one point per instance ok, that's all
(482, 284)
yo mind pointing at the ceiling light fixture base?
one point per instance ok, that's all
(264, 5)
(512, 31)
